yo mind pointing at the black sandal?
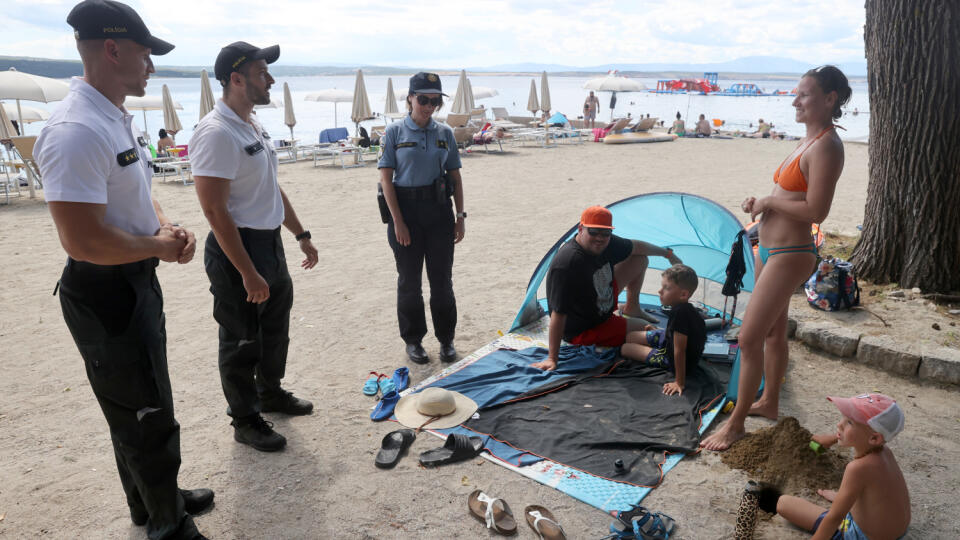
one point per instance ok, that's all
(393, 445)
(457, 447)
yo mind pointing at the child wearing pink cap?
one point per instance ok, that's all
(873, 502)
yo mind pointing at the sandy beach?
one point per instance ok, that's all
(59, 475)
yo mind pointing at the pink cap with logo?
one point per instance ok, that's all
(878, 411)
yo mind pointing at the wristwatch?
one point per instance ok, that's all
(462, 215)
(303, 235)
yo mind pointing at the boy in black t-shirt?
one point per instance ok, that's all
(678, 347)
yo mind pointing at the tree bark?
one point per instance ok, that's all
(911, 228)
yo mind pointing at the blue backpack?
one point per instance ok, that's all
(833, 286)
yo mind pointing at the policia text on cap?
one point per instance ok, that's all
(419, 171)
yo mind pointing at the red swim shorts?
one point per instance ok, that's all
(610, 333)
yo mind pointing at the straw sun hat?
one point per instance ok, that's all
(440, 407)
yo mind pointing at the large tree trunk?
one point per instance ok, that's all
(911, 230)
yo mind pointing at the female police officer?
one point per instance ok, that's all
(419, 171)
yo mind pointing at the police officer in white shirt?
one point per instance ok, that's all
(97, 182)
(235, 167)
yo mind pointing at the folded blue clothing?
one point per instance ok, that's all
(505, 374)
(333, 135)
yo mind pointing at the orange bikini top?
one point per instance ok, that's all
(792, 178)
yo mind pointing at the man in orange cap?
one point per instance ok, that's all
(585, 279)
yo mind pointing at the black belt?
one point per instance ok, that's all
(422, 193)
(112, 269)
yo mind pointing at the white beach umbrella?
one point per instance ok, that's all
(390, 104)
(361, 103)
(288, 117)
(28, 114)
(533, 104)
(206, 94)
(331, 95)
(461, 100)
(171, 122)
(24, 86)
(146, 103)
(614, 83)
(470, 98)
(483, 92)
(544, 94)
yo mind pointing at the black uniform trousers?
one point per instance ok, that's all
(115, 314)
(253, 337)
(431, 227)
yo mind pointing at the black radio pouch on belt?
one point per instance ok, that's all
(443, 187)
(382, 203)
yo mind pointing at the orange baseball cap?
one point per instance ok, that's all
(597, 217)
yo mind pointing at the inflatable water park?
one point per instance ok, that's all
(707, 86)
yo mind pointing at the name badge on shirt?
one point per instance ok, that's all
(141, 141)
(442, 144)
(254, 148)
(406, 145)
(127, 157)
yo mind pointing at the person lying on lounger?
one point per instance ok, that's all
(678, 347)
(585, 279)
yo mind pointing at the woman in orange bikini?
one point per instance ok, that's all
(802, 193)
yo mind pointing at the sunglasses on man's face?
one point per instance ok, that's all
(424, 100)
(596, 231)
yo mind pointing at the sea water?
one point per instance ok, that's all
(567, 96)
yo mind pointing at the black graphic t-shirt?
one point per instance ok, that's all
(684, 319)
(580, 284)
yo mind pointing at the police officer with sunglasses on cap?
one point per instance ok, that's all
(419, 173)
(97, 177)
(235, 168)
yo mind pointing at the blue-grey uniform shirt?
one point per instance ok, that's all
(418, 155)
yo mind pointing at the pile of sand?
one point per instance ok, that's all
(781, 455)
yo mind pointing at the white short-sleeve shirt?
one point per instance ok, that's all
(91, 152)
(224, 146)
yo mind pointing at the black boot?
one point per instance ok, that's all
(254, 431)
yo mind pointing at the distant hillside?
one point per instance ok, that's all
(61, 69)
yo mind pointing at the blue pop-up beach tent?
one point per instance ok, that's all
(702, 233)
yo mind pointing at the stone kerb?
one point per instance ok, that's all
(835, 340)
(884, 353)
(941, 365)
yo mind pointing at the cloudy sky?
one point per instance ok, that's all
(477, 33)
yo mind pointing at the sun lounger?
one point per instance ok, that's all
(645, 124)
(613, 127)
(24, 147)
(457, 120)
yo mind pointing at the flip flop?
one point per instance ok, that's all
(370, 387)
(543, 523)
(393, 445)
(401, 378)
(642, 524)
(457, 447)
(385, 406)
(494, 513)
(386, 385)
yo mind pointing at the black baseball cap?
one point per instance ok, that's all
(239, 53)
(426, 83)
(106, 19)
